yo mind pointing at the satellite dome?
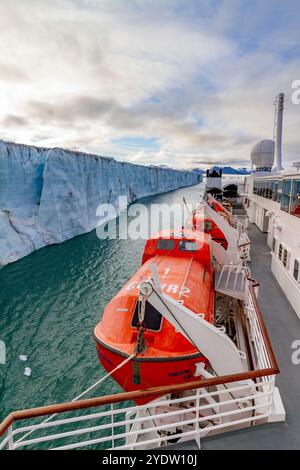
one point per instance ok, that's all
(262, 154)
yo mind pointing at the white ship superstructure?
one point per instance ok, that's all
(272, 202)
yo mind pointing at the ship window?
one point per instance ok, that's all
(274, 190)
(268, 190)
(258, 188)
(152, 320)
(255, 187)
(165, 244)
(265, 190)
(296, 270)
(295, 200)
(274, 245)
(285, 258)
(280, 251)
(187, 246)
(279, 191)
(286, 195)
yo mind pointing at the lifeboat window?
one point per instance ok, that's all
(187, 246)
(165, 244)
(208, 226)
(153, 318)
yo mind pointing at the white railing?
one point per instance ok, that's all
(200, 409)
(232, 277)
(154, 424)
(225, 257)
(259, 352)
(235, 258)
(242, 223)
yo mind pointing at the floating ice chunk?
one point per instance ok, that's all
(27, 371)
(23, 357)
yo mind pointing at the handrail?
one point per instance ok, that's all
(235, 270)
(254, 282)
(264, 330)
(126, 396)
(153, 391)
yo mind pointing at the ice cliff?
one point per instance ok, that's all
(50, 195)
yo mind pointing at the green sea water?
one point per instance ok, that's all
(50, 302)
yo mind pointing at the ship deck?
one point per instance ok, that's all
(284, 328)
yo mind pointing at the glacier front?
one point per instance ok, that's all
(50, 195)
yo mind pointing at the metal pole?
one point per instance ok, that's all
(11, 438)
(280, 107)
(112, 426)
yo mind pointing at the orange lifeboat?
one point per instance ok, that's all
(215, 205)
(220, 209)
(203, 223)
(183, 262)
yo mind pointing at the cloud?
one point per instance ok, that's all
(71, 110)
(12, 73)
(198, 78)
(11, 121)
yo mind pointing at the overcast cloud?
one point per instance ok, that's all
(183, 83)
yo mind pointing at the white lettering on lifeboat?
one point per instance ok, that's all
(130, 286)
(165, 275)
(172, 288)
(185, 292)
(169, 288)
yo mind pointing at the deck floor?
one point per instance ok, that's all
(284, 328)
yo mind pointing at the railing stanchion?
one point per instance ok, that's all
(10, 443)
(197, 437)
(112, 425)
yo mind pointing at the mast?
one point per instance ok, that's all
(278, 126)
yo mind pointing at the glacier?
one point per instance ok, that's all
(48, 196)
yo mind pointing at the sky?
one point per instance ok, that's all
(182, 83)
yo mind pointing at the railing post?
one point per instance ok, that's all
(10, 443)
(197, 427)
(112, 426)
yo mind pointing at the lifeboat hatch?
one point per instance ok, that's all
(152, 320)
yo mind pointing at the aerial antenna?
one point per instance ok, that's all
(278, 121)
(275, 117)
(185, 203)
(189, 212)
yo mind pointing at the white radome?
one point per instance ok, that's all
(262, 154)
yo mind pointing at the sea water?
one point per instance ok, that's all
(51, 301)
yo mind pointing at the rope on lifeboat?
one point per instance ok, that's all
(81, 394)
(141, 345)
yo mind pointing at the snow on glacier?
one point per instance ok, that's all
(50, 195)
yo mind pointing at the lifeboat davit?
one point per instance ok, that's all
(183, 263)
(220, 209)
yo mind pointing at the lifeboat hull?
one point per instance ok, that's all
(143, 373)
(164, 355)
